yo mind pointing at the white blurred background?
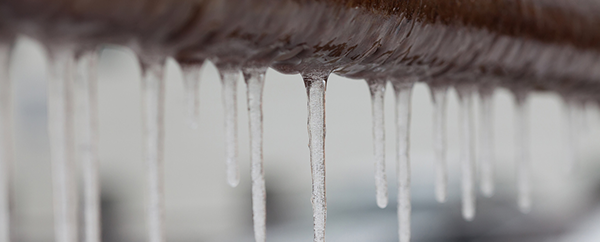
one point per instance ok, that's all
(200, 206)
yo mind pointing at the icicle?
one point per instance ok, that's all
(61, 134)
(486, 150)
(572, 140)
(377, 88)
(315, 89)
(403, 92)
(522, 152)
(467, 143)
(153, 97)
(438, 96)
(6, 143)
(229, 79)
(87, 142)
(255, 79)
(191, 83)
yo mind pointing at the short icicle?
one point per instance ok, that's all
(87, 141)
(229, 80)
(61, 134)
(572, 134)
(315, 89)
(403, 91)
(191, 84)
(522, 152)
(486, 150)
(6, 143)
(467, 151)
(439, 97)
(377, 88)
(255, 79)
(153, 104)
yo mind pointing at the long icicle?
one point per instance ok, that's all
(229, 79)
(255, 79)
(439, 97)
(87, 142)
(377, 88)
(315, 89)
(6, 143)
(153, 101)
(522, 152)
(467, 151)
(61, 134)
(191, 83)
(403, 91)
(486, 154)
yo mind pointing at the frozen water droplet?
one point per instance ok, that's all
(229, 80)
(439, 96)
(467, 150)
(486, 150)
(87, 141)
(522, 152)
(191, 83)
(403, 91)
(255, 79)
(377, 88)
(6, 142)
(153, 105)
(315, 89)
(62, 150)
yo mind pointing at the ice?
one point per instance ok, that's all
(486, 140)
(191, 83)
(153, 104)
(315, 89)
(86, 116)
(229, 79)
(467, 150)
(255, 79)
(438, 96)
(377, 88)
(403, 90)
(61, 134)
(522, 152)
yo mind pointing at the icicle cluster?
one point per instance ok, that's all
(73, 100)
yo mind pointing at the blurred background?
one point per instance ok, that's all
(200, 206)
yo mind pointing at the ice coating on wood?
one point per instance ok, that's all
(403, 91)
(153, 104)
(377, 89)
(86, 117)
(191, 84)
(522, 152)
(61, 134)
(315, 89)
(439, 96)
(467, 150)
(255, 79)
(486, 141)
(229, 80)
(6, 143)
